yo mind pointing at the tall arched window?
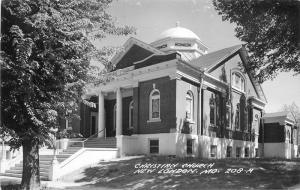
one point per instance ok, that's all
(189, 110)
(237, 116)
(213, 110)
(238, 81)
(131, 114)
(154, 105)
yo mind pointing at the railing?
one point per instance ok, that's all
(82, 143)
(96, 134)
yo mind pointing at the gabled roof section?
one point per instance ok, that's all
(129, 44)
(155, 59)
(211, 60)
(256, 84)
(282, 117)
(276, 114)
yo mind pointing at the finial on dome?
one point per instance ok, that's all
(177, 24)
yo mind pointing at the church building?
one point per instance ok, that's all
(169, 97)
(174, 97)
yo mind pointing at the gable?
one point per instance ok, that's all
(214, 59)
(135, 53)
(134, 50)
(223, 71)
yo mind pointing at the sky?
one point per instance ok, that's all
(152, 17)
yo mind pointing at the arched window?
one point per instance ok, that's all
(131, 114)
(237, 116)
(189, 110)
(154, 105)
(238, 81)
(288, 136)
(213, 110)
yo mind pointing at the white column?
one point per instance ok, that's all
(119, 113)
(3, 158)
(101, 115)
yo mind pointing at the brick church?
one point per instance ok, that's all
(174, 97)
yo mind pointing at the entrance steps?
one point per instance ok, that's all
(97, 144)
(109, 142)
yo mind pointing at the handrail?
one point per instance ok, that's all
(91, 137)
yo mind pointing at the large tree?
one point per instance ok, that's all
(45, 60)
(270, 30)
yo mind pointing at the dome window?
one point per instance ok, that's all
(183, 44)
(162, 46)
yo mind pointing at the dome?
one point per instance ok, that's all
(178, 32)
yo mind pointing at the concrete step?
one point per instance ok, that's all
(100, 146)
(50, 159)
(61, 155)
(42, 177)
(43, 165)
(14, 171)
(101, 142)
(108, 140)
(95, 146)
(20, 168)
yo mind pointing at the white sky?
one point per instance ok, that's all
(151, 17)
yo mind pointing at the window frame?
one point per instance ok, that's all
(242, 82)
(150, 147)
(238, 116)
(294, 136)
(191, 108)
(130, 115)
(236, 152)
(230, 153)
(214, 106)
(248, 152)
(151, 98)
(191, 146)
(288, 136)
(213, 153)
(256, 152)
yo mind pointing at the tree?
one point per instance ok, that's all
(46, 48)
(270, 30)
(294, 112)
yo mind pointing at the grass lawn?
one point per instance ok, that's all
(266, 174)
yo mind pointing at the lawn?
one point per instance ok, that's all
(255, 174)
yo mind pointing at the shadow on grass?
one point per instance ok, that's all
(267, 174)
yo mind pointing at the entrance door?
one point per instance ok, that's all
(94, 123)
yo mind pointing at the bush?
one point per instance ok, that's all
(67, 134)
(10, 187)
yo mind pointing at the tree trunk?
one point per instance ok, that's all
(31, 169)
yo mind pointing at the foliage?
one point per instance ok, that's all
(67, 134)
(46, 48)
(46, 51)
(270, 29)
(294, 111)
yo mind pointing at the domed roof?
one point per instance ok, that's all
(178, 32)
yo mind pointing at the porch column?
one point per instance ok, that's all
(3, 158)
(119, 113)
(101, 115)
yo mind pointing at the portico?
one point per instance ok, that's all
(108, 111)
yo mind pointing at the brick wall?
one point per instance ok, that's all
(167, 90)
(273, 132)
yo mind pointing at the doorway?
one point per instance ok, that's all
(94, 123)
